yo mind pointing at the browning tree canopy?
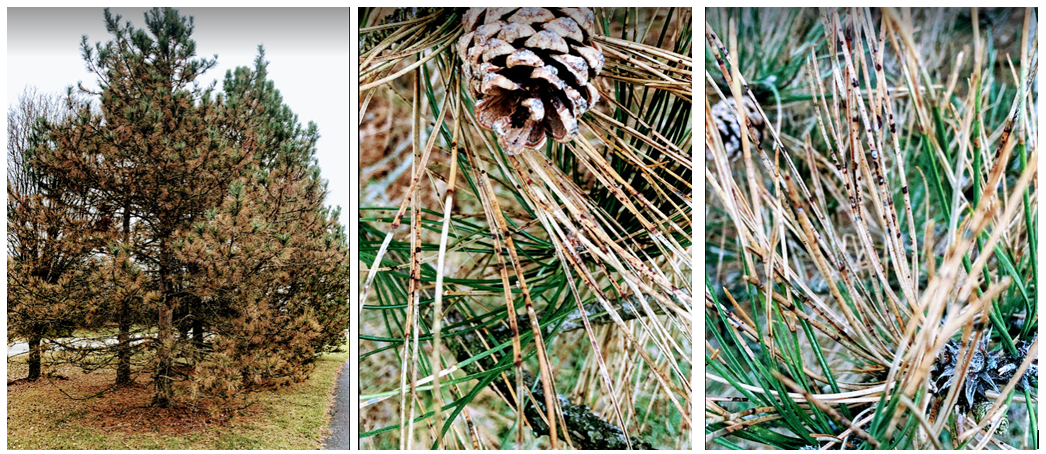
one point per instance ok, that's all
(192, 220)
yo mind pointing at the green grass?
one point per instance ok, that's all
(41, 417)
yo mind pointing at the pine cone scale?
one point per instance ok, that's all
(513, 31)
(549, 41)
(584, 18)
(524, 57)
(594, 57)
(487, 31)
(576, 66)
(565, 27)
(496, 49)
(495, 81)
(531, 15)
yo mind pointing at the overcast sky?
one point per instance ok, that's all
(307, 50)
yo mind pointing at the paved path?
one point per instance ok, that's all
(339, 437)
(17, 348)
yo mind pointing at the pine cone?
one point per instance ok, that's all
(725, 115)
(530, 70)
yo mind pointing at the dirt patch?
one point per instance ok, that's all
(127, 410)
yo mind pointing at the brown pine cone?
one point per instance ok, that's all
(530, 70)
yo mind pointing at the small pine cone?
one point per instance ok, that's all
(725, 114)
(531, 71)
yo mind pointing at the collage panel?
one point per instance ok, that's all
(525, 228)
(178, 276)
(871, 228)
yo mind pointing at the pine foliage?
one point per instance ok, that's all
(209, 230)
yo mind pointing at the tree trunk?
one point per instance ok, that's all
(165, 335)
(197, 328)
(123, 361)
(164, 340)
(34, 359)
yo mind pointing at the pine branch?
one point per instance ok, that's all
(627, 307)
(387, 26)
(585, 429)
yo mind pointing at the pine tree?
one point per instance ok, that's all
(271, 261)
(248, 94)
(287, 152)
(223, 232)
(159, 150)
(49, 236)
(274, 258)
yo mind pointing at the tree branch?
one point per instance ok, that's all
(585, 429)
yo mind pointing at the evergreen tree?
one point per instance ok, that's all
(157, 152)
(250, 94)
(50, 235)
(272, 261)
(223, 233)
(276, 261)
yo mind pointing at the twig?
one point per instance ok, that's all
(586, 430)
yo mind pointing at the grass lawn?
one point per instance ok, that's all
(40, 416)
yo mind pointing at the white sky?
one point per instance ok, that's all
(307, 50)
